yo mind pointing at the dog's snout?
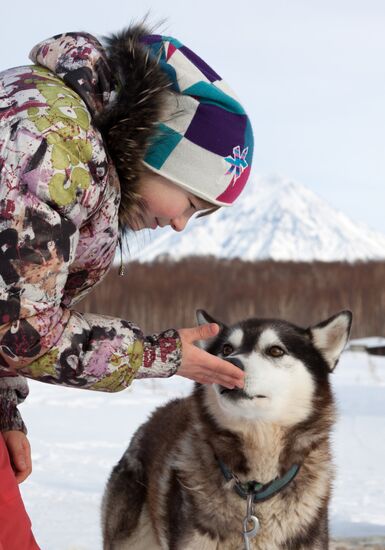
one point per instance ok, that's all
(237, 362)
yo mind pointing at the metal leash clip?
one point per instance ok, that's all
(247, 533)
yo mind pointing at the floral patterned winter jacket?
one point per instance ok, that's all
(60, 195)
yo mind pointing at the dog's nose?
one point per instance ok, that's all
(237, 362)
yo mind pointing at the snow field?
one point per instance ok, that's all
(78, 436)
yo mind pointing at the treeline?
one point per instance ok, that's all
(166, 294)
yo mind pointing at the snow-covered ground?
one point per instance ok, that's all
(77, 437)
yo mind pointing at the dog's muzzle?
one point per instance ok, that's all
(236, 362)
(236, 392)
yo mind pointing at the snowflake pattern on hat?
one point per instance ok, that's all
(238, 162)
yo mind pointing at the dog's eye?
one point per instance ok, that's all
(275, 351)
(227, 349)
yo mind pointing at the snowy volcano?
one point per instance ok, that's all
(276, 218)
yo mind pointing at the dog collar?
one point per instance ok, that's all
(260, 491)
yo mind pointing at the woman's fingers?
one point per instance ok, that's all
(20, 453)
(28, 461)
(204, 379)
(219, 369)
(203, 367)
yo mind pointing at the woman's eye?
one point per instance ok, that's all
(227, 350)
(275, 351)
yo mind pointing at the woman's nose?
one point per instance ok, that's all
(178, 224)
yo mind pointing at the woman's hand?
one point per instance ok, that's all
(19, 451)
(203, 367)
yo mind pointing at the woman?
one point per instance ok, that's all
(95, 141)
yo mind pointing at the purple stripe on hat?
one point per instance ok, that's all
(151, 38)
(207, 71)
(217, 130)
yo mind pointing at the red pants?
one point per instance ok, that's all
(15, 525)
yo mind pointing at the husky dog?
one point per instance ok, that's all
(230, 469)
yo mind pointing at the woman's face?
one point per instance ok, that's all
(166, 203)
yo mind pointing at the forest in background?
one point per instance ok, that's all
(166, 293)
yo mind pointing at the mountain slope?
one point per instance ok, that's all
(276, 218)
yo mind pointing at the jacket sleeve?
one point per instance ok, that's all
(50, 196)
(13, 391)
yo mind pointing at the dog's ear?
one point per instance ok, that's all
(203, 318)
(330, 336)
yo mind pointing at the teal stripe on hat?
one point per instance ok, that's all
(158, 50)
(162, 146)
(173, 41)
(208, 93)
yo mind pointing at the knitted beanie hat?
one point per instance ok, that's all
(205, 142)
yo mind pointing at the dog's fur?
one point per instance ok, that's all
(168, 492)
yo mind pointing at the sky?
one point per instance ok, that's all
(311, 75)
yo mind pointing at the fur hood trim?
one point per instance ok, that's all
(129, 121)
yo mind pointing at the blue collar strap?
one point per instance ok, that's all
(260, 492)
